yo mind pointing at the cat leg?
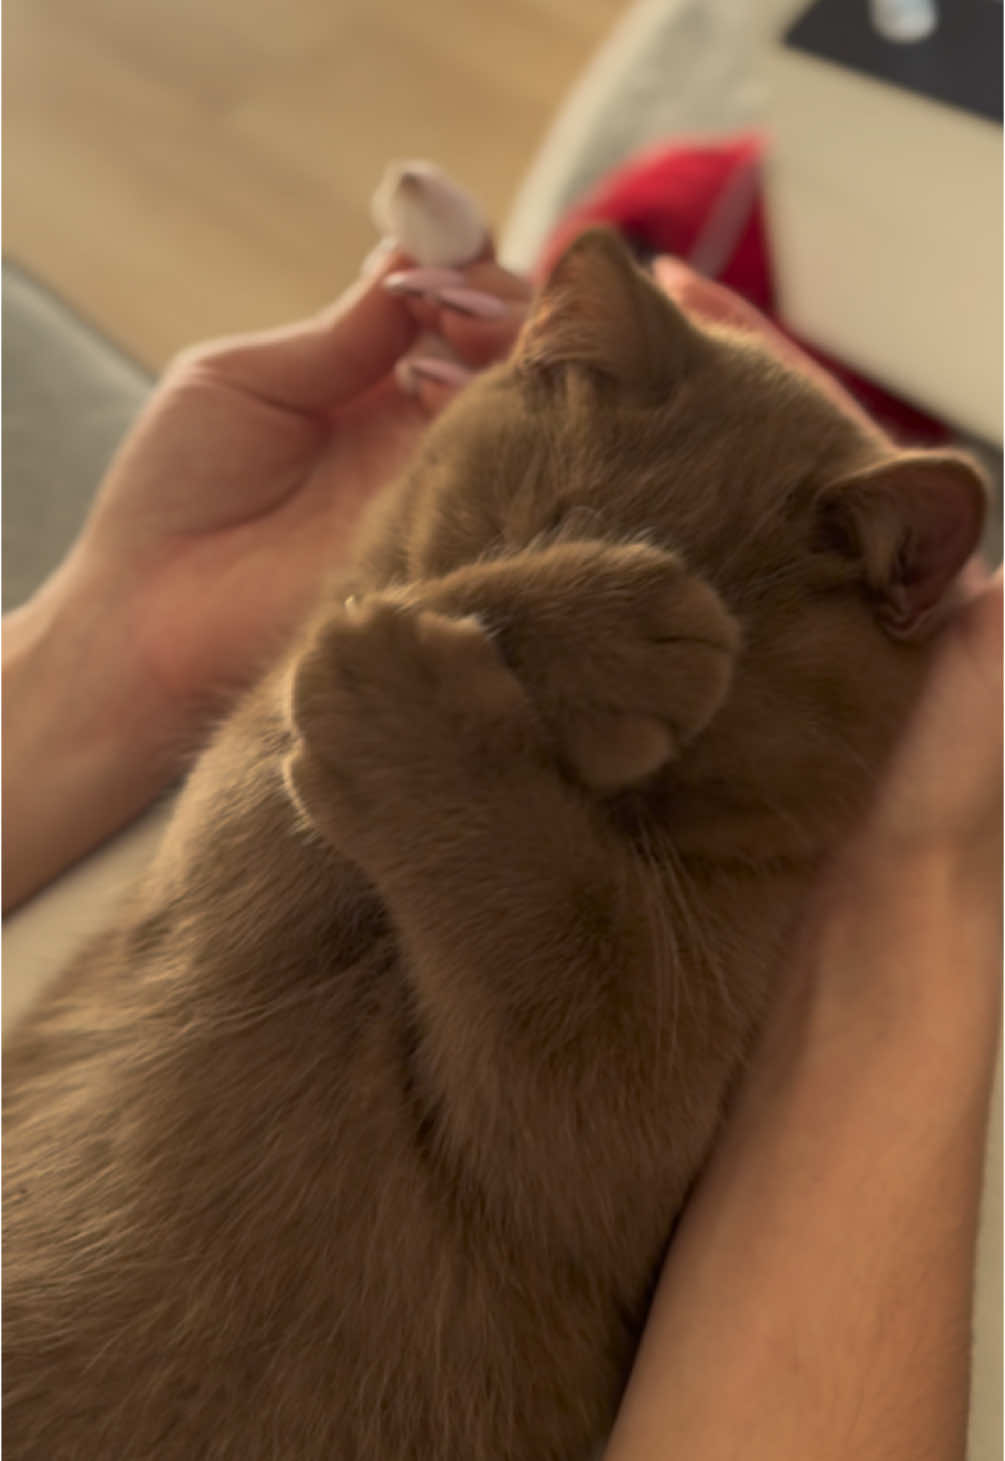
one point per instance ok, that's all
(436, 753)
(421, 756)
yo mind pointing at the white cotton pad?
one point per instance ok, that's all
(428, 215)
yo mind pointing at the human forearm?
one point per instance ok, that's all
(88, 739)
(817, 1297)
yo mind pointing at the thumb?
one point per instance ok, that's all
(321, 362)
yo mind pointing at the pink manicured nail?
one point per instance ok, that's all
(411, 373)
(472, 302)
(422, 282)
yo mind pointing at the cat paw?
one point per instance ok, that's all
(390, 700)
(627, 654)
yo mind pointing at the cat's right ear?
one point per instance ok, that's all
(599, 310)
(911, 522)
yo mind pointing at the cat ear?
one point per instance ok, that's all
(600, 310)
(912, 521)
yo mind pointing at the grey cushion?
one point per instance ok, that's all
(68, 398)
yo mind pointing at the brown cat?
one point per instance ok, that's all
(364, 1132)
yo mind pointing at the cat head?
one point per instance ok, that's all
(620, 418)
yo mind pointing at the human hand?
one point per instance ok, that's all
(234, 494)
(242, 481)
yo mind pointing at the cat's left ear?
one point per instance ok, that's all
(599, 310)
(912, 521)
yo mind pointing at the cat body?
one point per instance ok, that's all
(362, 1133)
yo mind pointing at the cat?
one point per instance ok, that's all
(363, 1132)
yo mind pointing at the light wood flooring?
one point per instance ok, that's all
(181, 168)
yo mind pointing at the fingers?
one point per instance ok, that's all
(706, 299)
(477, 311)
(482, 319)
(717, 305)
(320, 363)
(474, 313)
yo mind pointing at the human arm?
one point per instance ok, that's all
(818, 1294)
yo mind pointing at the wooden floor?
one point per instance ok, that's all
(180, 168)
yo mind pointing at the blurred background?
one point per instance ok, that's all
(176, 169)
(179, 168)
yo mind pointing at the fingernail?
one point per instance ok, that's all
(377, 257)
(422, 282)
(412, 372)
(433, 219)
(472, 302)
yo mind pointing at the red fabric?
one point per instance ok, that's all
(661, 199)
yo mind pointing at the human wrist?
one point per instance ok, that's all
(81, 632)
(903, 947)
(88, 740)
